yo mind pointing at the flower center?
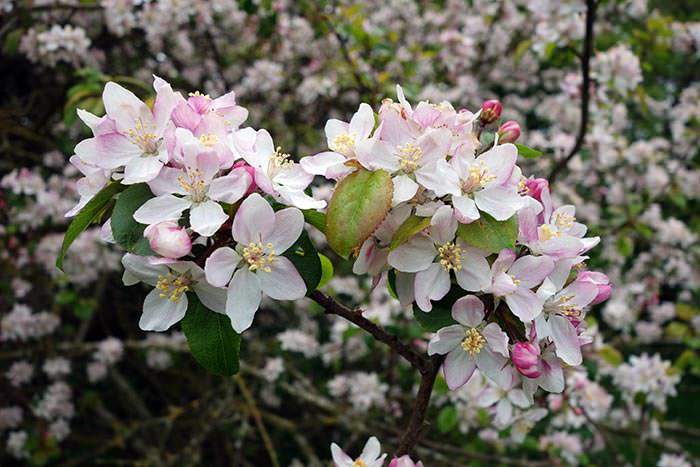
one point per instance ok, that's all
(344, 144)
(409, 157)
(479, 176)
(259, 256)
(473, 342)
(209, 140)
(547, 232)
(142, 135)
(563, 305)
(193, 183)
(564, 221)
(359, 463)
(279, 160)
(450, 256)
(172, 286)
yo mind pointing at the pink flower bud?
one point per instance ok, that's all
(509, 132)
(168, 239)
(526, 358)
(251, 172)
(535, 186)
(599, 279)
(404, 461)
(490, 111)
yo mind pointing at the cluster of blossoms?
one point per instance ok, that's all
(59, 44)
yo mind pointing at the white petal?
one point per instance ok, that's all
(475, 273)
(206, 218)
(496, 338)
(371, 451)
(524, 304)
(339, 457)
(299, 199)
(458, 368)
(289, 223)
(230, 188)
(160, 313)
(468, 311)
(566, 340)
(362, 123)
(161, 208)
(319, 164)
(212, 297)
(431, 284)
(500, 202)
(415, 255)
(141, 169)
(220, 265)
(446, 339)
(465, 209)
(139, 267)
(443, 225)
(404, 189)
(243, 299)
(283, 282)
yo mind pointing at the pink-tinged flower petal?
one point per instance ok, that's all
(500, 162)
(468, 311)
(458, 368)
(161, 208)
(404, 189)
(289, 223)
(254, 220)
(552, 378)
(505, 259)
(141, 270)
(243, 299)
(220, 265)
(531, 270)
(319, 164)
(339, 457)
(446, 339)
(230, 188)
(475, 273)
(371, 259)
(504, 412)
(502, 285)
(107, 151)
(122, 106)
(439, 177)
(184, 116)
(335, 128)
(527, 221)
(404, 287)
(293, 177)
(141, 169)
(374, 154)
(443, 225)
(299, 199)
(167, 182)
(496, 338)
(283, 282)
(561, 247)
(566, 340)
(491, 365)
(362, 123)
(518, 398)
(465, 209)
(582, 293)
(524, 304)
(435, 143)
(207, 217)
(372, 449)
(212, 297)
(431, 284)
(208, 165)
(160, 313)
(166, 100)
(413, 256)
(498, 201)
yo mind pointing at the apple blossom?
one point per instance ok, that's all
(490, 111)
(470, 344)
(371, 455)
(404, 461)
(256, 266)
(168, 239)
(509, 132)
(526, 359)
(600, 280)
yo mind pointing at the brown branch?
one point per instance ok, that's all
(330, 306)
(257, 417)
(415, 425)
(585, 90)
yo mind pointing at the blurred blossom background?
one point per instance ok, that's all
(80, 384)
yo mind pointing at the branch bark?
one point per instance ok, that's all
(588, 43)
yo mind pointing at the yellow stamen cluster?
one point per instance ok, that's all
(172, 286)
(522, 187)
(547, 232)
(279, 160)
(473, 342)
(479, 176)
(194, 184)
(563, 306)
(515, 281)
(409, 157)
(209, 140)
(450, 256)
(259, 257)
(142, 135)
(343, 143)
(359, 463)
(198, 94)
(564, 221)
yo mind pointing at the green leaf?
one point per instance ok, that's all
(527, 152)
(326, 270)
(447, 419)
(408, 229)
(359, 204)
(86, 216)
(126, 231)
(307, 261)
(611, 355)
(212, 340)
(315, 218)
(434, 320)
(489, 234)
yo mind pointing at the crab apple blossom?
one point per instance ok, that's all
(168, 239)
(490, 111)
(370, 457)
(526, 359)
(470, 344)
(256, 267)
(509, 132)
(167, 303)
(136, 140)
(601, 281)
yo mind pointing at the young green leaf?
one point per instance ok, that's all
(489, 234)
(86, 216)
(126, 231)
(408, 229)
(326, 270)
(359, 204)
(213, 342)
(315, 218)
(527, 152)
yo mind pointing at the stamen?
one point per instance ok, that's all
(259, 257)
(173, 286)
(450, 256)
(547, 232)
(279, 160)
(209, 140)
(193, 183)
(343, 143)
(409, 157)
(479, 176)
(142, 135)
(473, 342)
(359, 463)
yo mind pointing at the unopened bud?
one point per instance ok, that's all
(490, 111)
(601, 281)
(535, 186)
(251, 172)
(509, 132)
(526, 358)
(404, 461)
(168, 239)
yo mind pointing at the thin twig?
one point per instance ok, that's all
(267, 441)
(588, 43)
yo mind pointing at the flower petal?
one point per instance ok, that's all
(446, 339)
(413, 256)
(254, 220)
(283, 282)
(220, 265)
(524, 304)
(468, 311)
(431, 284)
(206, 218)
(212, 297)
(243, 299)
(289, 223)
(475, 272)
(458, 368)
(160, 313)
(566, 340)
